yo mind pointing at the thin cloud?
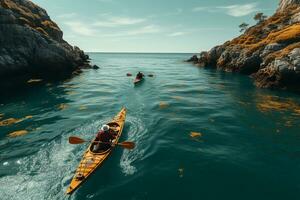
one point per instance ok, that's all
(177, 34)
(105, 1)
(235, 10)
(200, 8)
(144, 30)
(85, 29)
(67, 15)
(90, 28)
(209, 29)
(178, 11)
(118, 21)
(80, 28)
(239, 10)
(150, 29)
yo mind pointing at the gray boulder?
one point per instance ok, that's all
(272, 48)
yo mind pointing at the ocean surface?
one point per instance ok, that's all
(199, 134)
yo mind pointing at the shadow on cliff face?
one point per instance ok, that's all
(32, 47)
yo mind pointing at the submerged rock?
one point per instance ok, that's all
(268, 51)
(32, 45)
(95, 67)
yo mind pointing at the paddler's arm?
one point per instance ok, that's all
(112, 141)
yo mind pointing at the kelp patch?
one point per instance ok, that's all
(62, 106)
(18, 133)
(195, 134)
(11, 121)
(163, 105)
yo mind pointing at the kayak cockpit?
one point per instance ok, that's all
(100, 148)
(79, 177)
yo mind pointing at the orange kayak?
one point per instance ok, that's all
(91, 160)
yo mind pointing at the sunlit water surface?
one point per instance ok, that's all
(246, 143)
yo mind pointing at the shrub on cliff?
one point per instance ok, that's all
(260, 17)
(243, 27)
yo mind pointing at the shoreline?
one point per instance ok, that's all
(269, 51)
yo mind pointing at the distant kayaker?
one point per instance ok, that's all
(106, 137)
(140, 75)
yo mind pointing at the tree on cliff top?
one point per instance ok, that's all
(260, 17)
(243, 27)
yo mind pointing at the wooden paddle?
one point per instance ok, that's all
(78, 140)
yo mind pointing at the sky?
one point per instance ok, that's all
(185, 26)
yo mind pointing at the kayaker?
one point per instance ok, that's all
(106, 136)
(140, 75)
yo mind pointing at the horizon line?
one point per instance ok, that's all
(139, 52)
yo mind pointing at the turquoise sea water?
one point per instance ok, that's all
(248, 147)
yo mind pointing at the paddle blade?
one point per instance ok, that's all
(150, 75)
(128, 74)
(127, 145)
(76, 140)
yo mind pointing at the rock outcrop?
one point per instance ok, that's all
(268, 51)
(284, 4)
(31, 44)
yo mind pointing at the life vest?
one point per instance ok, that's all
(104, 136)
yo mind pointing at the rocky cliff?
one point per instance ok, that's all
(32, 45)
(268, 51)
(286, 3)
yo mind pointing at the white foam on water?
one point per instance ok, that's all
(90, 196)
(136, 133)
(5, 163)
(47, 173)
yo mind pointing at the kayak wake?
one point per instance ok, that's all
(47, 173)
(135, 131)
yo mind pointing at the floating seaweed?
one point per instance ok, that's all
(163, 105)
(195, 134)
(82, 108)
(11, 121)
(18, 133)
(177, 97)
(271, 103)
(62, 106)
(71, 93)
